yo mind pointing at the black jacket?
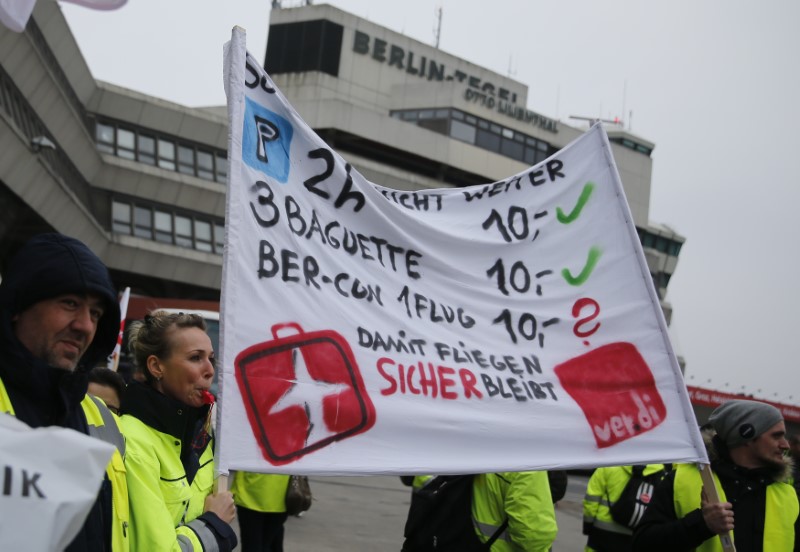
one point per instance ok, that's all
(746, 489)
(47, 266)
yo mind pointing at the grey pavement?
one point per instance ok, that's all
(367, 514)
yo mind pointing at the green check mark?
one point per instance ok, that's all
(591, 262)
(576, 211)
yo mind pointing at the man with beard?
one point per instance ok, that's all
(58, 317)
(746, 448)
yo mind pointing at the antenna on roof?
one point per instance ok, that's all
(593, 120)
(511, 71)
(624, 95)
(437, 33)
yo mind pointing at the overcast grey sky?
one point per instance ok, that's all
(714, 83)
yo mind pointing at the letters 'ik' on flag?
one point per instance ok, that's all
(506, 326)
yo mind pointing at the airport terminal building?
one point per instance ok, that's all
(142, 181)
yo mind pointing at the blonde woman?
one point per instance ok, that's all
(170, 452)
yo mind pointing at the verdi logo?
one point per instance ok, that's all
(593, 380)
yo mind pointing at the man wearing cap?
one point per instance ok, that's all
(58, 316)
(746, 448)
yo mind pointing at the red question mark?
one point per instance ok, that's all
(576, 311)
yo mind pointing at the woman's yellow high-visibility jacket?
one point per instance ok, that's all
(167, 503)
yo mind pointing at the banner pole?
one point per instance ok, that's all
(221, 483)
(710, 488)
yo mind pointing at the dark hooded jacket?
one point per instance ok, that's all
(746, 489)
(47, 266)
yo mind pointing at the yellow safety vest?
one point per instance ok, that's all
(103, 425)
(602, 492)
(260, 492)
(524, 499)
(781, 511)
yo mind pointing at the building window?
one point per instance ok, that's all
(462, 131)
(205, 165)
(121, 217)
(185, 160)
(183, 231)
(166, 154)
(104, 134)
(126, 144)
(439, 126)
(202, 235)
(147, 149)
(163, 227)
(143, 222)
(630, 144)
(659, 243)
(222, 168)
(512, 149)
(488, 140)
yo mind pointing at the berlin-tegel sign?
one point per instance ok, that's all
(507, 326)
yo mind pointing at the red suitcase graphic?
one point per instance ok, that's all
(302, 392)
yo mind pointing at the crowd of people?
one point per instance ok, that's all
(59, 318)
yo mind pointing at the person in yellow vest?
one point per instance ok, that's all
(261, 510)
(747, 446)
(520, 501)
(604, 491)
(59, 316)
(170, 449)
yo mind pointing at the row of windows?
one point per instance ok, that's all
(479, 132)
(630, 144)
(146, 146)
(659, 243)
(165, 226)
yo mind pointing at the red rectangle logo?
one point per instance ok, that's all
(616, 391)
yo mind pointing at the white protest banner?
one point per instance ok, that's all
(50, 479)
(508, 326)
